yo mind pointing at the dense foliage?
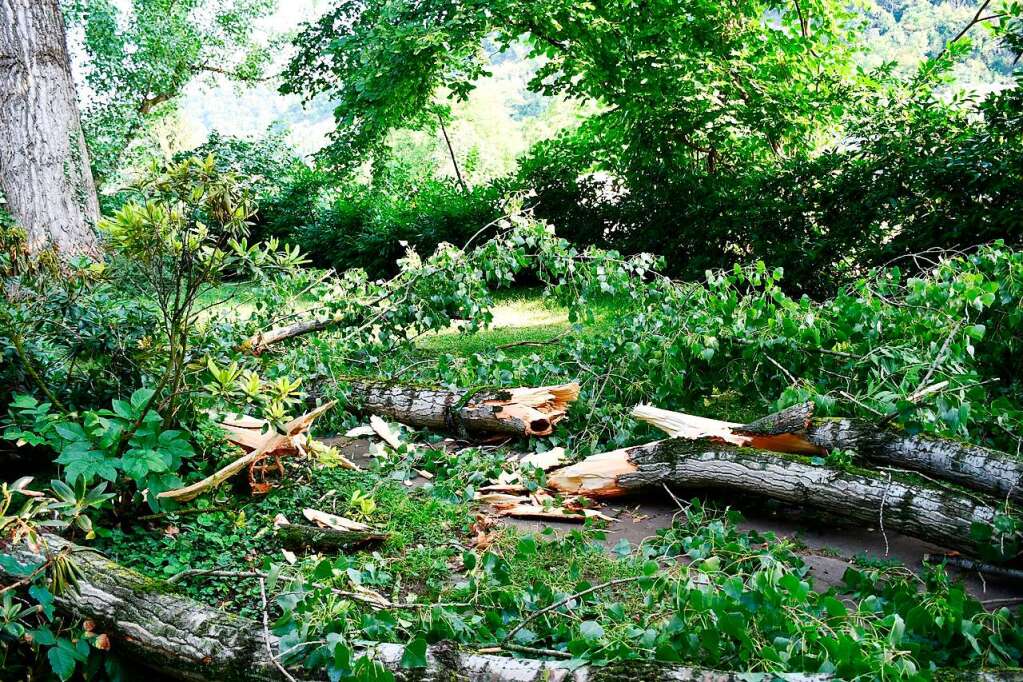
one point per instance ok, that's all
(847, 230)
(717, 135)
(142, 54)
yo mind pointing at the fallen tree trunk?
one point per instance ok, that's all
(796, 430)
(187, 640)
(513, 411)
(295, 534)
(970, 465)
(893, 503)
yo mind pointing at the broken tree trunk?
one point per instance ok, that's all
(930, 513)
(513, 411)
(796, 430)
(298, 535)
(186, 640)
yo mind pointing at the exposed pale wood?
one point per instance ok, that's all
(780, 432)
(596, 476)
(150, 623)
(257, 343)
(515, 411)
(525, 510)
(544, 460)
(928, 512)
(333, 520)
(381, 429)
(273, 441)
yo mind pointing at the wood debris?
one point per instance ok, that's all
(546, 461)
(383, 429)
(326, 520)
(271, 445)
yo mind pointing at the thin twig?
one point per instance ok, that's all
(266, 634)
(558, 604)
(545, 342)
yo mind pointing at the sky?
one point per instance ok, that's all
(216, 104)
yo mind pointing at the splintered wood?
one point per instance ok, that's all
(767, 458)
(514, 411)
(781, 432)
(262, 445)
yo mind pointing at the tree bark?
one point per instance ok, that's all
(147, 621)
(796, 430)
(887, 501)
(44, 168)
(970, 465)
(513, 411)
(257, 343)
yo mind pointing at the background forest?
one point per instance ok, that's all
(405, 220)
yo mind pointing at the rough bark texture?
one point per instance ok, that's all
(44, 169)
(147, 622)
(296, 534)
(187, 640)
(516, 411)
(969, 465)
(930, 513)
(796, 430)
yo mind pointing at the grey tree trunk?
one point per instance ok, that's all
(514, 411)
(886, 501)
(970, 465)
(44, 167)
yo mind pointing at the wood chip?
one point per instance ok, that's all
(535, 511)
(325, 520)
(385, 432)
(545, 460)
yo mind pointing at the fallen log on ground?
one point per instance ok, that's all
(891, 502)
(796, 430)
(512, 411)
(148, 622)
(272, 442)
(299, 535)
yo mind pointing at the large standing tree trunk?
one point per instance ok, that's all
(44, 168)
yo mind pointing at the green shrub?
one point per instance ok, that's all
(369, 228)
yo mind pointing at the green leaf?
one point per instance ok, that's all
(138, 463)
(71, 431)
(591, 630)
(140, 398)
(62, 659)
(414, 655)
(87, 464)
